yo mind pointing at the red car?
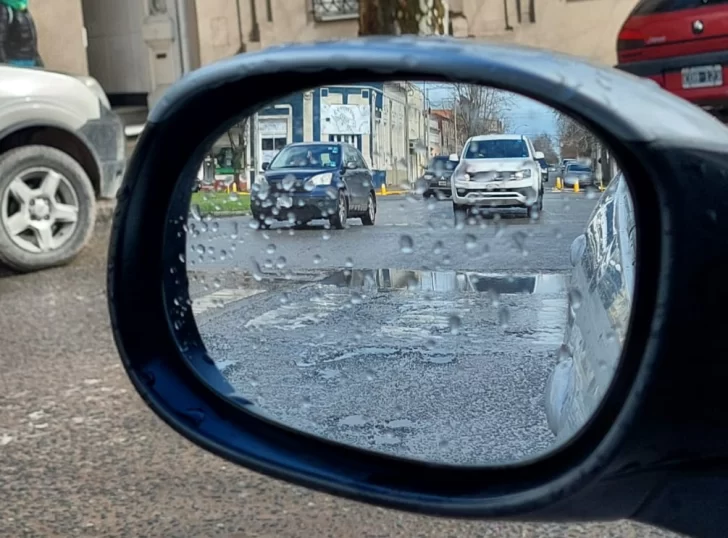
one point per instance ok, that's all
(683, 46)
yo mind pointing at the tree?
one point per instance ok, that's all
(479, 110)
(544, 144)
(238, 140)
(397, 17)
(575, 140)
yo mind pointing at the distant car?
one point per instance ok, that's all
(315, 180)
(437, 176)
(679, 44)
(498, 171)
(61, 149)
(599, 305)
(579, 172)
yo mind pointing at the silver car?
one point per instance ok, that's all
(600, 300)
(582, 173)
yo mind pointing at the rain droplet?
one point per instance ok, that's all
(437, 249)
(195, 212)
(406, 244)
(281, 262)
(216, 283)
(182, 258)
(349, 262)
(270, 249)
(504, 316)
(326, 235)
(454, 323)
(288, 182)
(317, 259)
(470, 242)
(575, 298)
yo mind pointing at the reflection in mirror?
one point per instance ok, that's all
(435, 271)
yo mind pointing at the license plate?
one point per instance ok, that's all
(704, 76)
(443, 183)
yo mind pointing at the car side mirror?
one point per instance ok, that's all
(351, 165)
(614, 464)
(539, 155)
(265, 166)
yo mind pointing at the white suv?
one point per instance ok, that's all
(498, 171)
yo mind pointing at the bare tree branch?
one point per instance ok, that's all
(480, 110)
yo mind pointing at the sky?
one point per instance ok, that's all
(527, 117)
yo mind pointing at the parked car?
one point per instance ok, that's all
(582, 173)
(498, 171)
(61, 149)
(599, 305)
(315, 180)
(680, 44)
(437, 176)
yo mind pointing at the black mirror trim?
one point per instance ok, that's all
(163, 355)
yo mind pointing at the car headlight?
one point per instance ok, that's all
(429, 176)
(523, 174)
(462, 177)
(319, 180)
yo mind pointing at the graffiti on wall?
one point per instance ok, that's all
(345, 119)
(18, 36)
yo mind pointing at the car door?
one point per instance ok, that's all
(366, 179)
(352, 177)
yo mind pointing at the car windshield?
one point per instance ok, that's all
(440, 164)
(307, 156)
(578, 168)
(503, 148)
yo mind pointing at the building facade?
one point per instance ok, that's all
(135, 46)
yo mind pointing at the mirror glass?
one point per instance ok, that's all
(394, 266)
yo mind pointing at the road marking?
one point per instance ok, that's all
(221, 298)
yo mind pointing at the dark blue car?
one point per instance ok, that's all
(315, 180)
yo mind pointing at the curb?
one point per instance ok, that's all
(105, 211)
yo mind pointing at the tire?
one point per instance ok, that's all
(22, 251)
(459, 213)
(338, 219)
(534, 212)
(368, 218)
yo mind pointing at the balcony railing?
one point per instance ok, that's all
(332, 10)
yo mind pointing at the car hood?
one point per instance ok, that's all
(496, 165)
(296, 173)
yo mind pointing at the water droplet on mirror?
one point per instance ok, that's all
(406, 244)
(182, 258)
(317, 259)
(575, 298)
(270, 249)
(504, 316)
(349, 262)
(454, 323)
(281, 262)
(195, 212)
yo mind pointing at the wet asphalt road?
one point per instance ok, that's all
(411, 337)
(81, 454)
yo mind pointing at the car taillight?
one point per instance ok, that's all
(629, 40)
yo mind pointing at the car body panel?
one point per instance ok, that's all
(32, 97)
(667, 41)
(494, 182)
(285, 195)
(600, 299)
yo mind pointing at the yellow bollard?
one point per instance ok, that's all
(384, 190)
(235, 186)
(576, 186)
(559, 185)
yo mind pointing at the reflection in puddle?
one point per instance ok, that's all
(447, 281)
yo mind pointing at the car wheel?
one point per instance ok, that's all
(338, 219)
(460, 213)
(47, 208)
(534, 211)
(371, 215)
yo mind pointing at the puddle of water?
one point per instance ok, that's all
(447, 281)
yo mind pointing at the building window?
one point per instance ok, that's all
(354, 140)
(324, 92)
(331, 10)
(365, 94)
(272, 143)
